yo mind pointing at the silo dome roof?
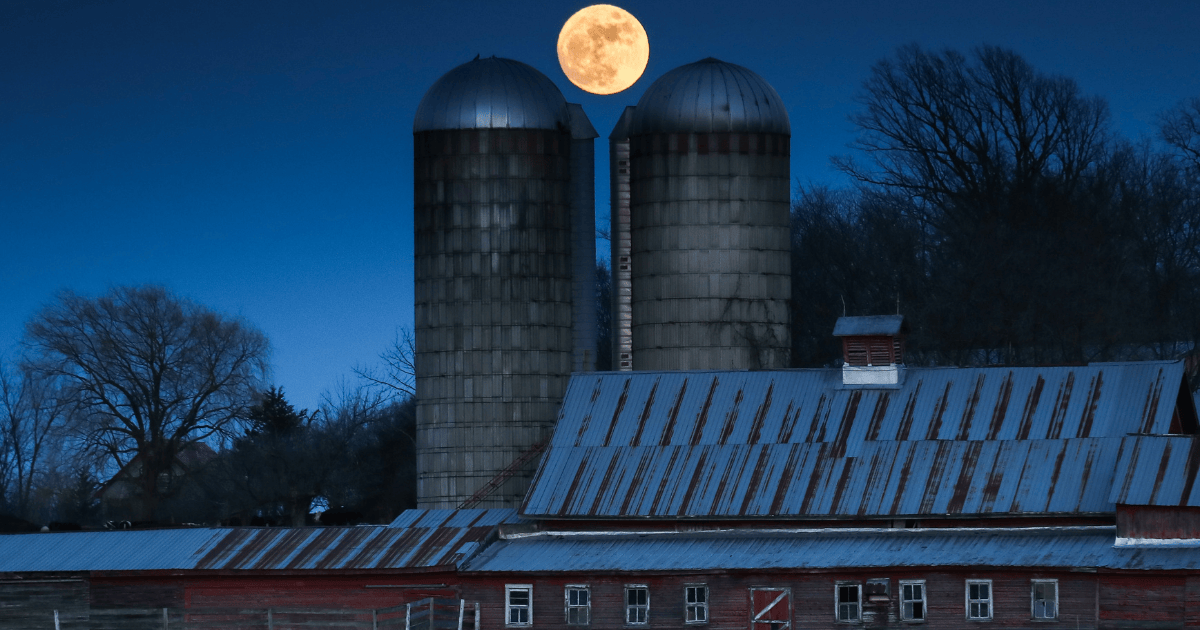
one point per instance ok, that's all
(710, 96)
(492, 93)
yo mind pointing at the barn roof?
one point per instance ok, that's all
(426, 538)
(1158, 470)
(798, 443)
(1049, 547)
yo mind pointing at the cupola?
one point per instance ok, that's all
(872, 349)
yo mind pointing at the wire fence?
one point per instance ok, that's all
(426, 614)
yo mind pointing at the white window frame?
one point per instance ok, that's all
(905, 600)
(586, 607)
(1033, 607)
(692, 607)
(838, 603)
(509, 607)
(988, 601)
(632, 607)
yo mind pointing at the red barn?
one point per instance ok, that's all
(766, 500)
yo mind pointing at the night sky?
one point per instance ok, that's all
(256, 156)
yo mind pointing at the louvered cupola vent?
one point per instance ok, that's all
(872, 349)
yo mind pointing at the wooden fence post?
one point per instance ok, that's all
(270, 619)
(164, 618)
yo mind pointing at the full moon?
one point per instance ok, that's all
(603, 49)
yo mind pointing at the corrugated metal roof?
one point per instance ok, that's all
(880, 479)
(710, 96)
(797, 406)
(418, 538)
(492, 93)
(1158, 470)
(868, 325)
(797, 442)
(1067, 547)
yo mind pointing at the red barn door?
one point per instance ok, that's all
(770, 609)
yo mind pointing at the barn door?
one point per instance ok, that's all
(770, 609)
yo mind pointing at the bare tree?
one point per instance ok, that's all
(1180, 128)
(998, 163)
(152, 373)
(397, 377)
(961, 135)
(34, 411)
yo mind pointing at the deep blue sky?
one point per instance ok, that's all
(256, 156)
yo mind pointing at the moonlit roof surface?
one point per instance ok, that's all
(711, 96)
(492, 93)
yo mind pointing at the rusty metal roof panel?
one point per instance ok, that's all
(423, 538)
(921, 448)
(487, 517)
(793, 406)
(1055, 547)
(114, 551)
(883, 479)
(1158, 470)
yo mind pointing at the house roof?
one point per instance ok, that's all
(424, 538)
(797, 443)
(1048, 547)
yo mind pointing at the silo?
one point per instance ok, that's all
(709, 151)
(492, 148)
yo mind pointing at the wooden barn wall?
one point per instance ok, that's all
(1154, 601)
(1152, 521)
(812, 600)
(29, 604)
(260, 591)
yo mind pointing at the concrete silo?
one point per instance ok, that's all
(493, 226)
(709, 181)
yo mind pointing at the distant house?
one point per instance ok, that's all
(121, 496)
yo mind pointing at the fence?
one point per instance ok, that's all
(426, 614)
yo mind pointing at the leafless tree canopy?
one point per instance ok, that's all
(955, 133)
(150, 372)
(34, 416)
(996, 208)
(1181, 129)
(397, 377)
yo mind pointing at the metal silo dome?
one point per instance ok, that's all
(492, 93)
(711, 96)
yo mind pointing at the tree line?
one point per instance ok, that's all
(997, 209)
(994, 205)
(141, 406)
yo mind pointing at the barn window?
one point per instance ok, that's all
(519, 601)
(1045, 599)
(637, 604)
(579, 605)
(696, 598)
(849, 601)
(912, 600)
(979, 599)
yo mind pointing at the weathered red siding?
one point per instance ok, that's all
(1153, 521)
(812, 599)
(1153, 601)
